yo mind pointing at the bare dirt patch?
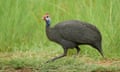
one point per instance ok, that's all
(24, 70)
(109, 62)
(18, 70)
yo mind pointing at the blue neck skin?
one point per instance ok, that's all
(47, 23)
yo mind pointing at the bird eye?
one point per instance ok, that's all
(47, 16)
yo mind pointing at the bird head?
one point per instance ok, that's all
(46, 17)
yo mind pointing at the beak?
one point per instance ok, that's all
(43, 18)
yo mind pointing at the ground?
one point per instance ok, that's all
(33, 62)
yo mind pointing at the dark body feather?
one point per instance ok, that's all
(70, 34)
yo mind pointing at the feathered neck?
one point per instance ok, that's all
(47, 23)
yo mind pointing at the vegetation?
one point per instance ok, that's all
(24, 45)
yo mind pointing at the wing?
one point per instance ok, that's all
(77, 31)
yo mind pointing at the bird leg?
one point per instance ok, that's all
(64, 54)
(78, 49)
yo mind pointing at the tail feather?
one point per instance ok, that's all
(98, 46)
(101, 52)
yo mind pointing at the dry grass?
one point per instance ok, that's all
(30, 61)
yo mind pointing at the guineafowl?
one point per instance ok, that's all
(71, 34)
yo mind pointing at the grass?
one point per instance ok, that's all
(35, 62)
(23, 38)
